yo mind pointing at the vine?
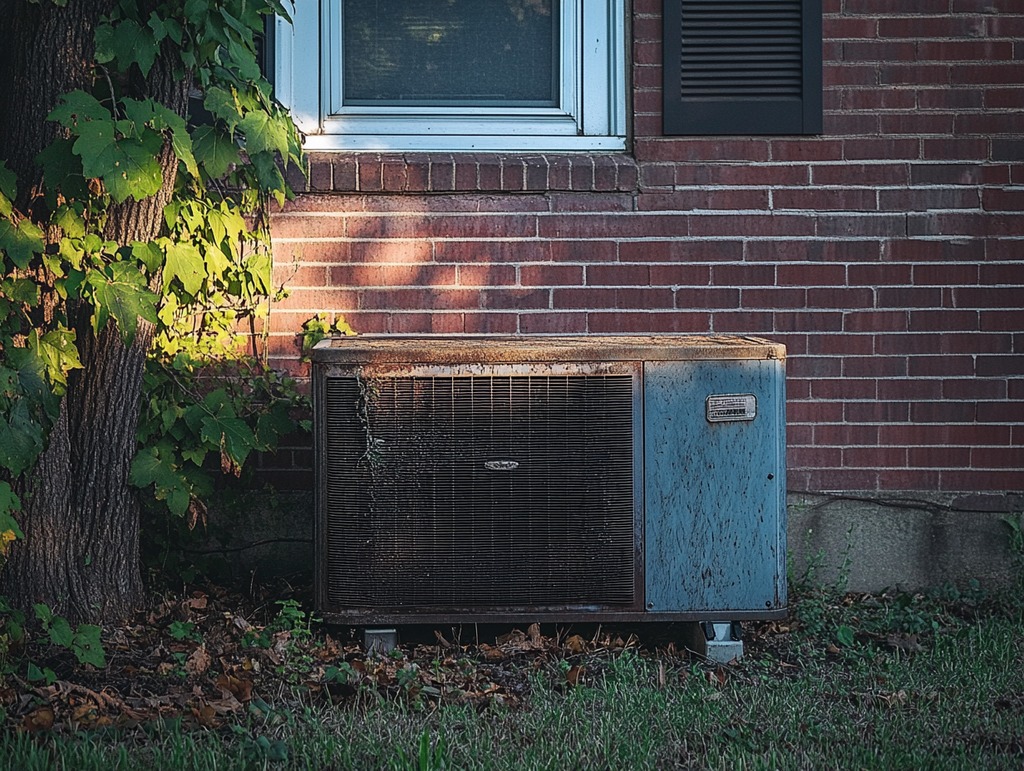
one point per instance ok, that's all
(202, 285)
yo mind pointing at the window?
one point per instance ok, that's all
(452, 75)
(749, 67)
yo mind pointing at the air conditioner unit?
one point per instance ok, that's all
(464, 479)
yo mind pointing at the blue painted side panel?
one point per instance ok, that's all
(715, 519)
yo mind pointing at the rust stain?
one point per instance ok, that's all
(431, 349)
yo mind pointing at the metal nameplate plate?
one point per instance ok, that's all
(723, 408)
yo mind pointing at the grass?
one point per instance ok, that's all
(907, 681)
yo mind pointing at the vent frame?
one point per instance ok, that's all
(778, 94)
(323, 374)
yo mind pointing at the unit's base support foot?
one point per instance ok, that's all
(381, 641)
(718, 641)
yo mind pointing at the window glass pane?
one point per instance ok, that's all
(450, 52)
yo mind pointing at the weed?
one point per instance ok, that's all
(293, 619)
(184, 630)
(343, 674)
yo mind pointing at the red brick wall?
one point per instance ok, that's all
(887, 254)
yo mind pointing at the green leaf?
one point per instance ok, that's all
(43, 612)
(60, 632)
(162, 28)
(97, 146)
(196, 11)
(139, 113)
(62, 169)
(160, 117)
(215, 222)
(57, 351)
(43, 406)
(243, 58)
(137, 173)
(237, 25)
(215, 151)
(78, 106)
(194, 414)
(269, 176)
(155, 466)
(260, 266)
(264, 134)
(21, 243)
(181, 143)
(8, 190)
(171, 213)
(9, 503)
(68, 218)
(124, 296)
(21, 438)
(195, 456)
(273, 424)
(149, 254)
(148, 467)
(217, 262)
(279, 9)
(222, 104)
(129, 166)
(185, 262)
(231, 434)
(88, 647)
(168, 308)
(126, 44)
(20, 290)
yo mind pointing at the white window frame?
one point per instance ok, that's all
(591, 115)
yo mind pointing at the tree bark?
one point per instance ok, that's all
(80, 554)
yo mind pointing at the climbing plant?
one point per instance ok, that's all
(140, 150)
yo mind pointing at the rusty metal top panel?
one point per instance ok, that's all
(438, 349)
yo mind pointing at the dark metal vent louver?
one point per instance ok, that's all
(740, 49)
(489, 491)
(737, 67)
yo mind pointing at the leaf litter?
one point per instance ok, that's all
(214, 655)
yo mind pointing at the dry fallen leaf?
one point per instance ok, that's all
(40, 719)
(441, 640)
(226, 706)
(491, 653)
(237, 687)
(207, 716)
(576, 644)
(534, 634)
(198, 662)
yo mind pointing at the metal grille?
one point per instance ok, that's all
(480, 492)
(741, 49)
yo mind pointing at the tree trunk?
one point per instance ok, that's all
(80, 516)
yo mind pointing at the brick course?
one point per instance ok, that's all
(888, 253)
